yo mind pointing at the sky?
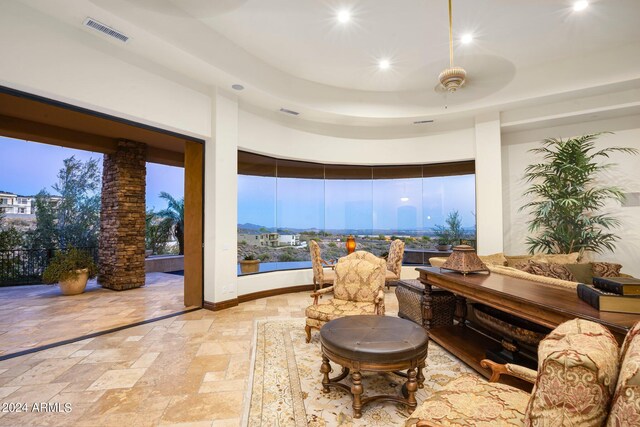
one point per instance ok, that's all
(28, 167)
(391, 204)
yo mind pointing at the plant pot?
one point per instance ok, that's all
(250, 266)
(148, 253)
(444, 247)
(77, 285)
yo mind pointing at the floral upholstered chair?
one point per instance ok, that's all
(625, 409)
(394, 261)
(321, 276)
(574, 384)
(358, 289)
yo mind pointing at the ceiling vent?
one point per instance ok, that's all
(631, 200)
(104, 29)
(422, 122)
(293, 113)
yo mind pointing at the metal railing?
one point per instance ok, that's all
(25, 266)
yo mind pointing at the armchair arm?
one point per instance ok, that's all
(331, 263)
(379, 301)
(315, 295)
(497, 369)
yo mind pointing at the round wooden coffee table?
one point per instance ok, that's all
(373, 343)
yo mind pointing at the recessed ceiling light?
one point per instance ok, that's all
(237, 87)
(344, 16)
(384, 64)
(404, 199)
(580, 5)
(466, 38)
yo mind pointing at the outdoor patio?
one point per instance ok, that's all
(37, 315)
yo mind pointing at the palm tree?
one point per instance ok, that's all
(173, 218)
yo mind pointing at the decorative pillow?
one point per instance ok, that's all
(625, 409)
(577, 371)
(606, 269)
(513, 260)
(557, 271)
(571, 258)
(582, 272)
(494, 259)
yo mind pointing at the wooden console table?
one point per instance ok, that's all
(544, 305)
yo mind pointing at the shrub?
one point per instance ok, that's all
(64, 264)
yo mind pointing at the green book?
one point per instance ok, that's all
(607, 301)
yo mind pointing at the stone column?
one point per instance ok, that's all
(122, 217)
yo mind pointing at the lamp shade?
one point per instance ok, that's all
(351, 244)
(464, 260)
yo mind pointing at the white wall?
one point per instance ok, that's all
(264, 136)
(515, 158)
(47, 58)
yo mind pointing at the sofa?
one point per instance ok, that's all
(547, 269)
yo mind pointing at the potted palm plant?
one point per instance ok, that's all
(71, 269)
(567, 201)
(250, 264)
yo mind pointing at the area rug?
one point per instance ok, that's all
(286, 383)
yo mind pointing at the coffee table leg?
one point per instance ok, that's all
(420, 377)
(356, 390)
(325, 369)
(412, 386)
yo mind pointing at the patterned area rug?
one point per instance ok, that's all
(286, 386)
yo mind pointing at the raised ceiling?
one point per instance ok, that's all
(295, 54)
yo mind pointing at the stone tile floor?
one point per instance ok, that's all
(36, 315)
(191, 370)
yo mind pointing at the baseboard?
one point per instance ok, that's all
(273, 292)
(222, 305)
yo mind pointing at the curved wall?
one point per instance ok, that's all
(264, 136)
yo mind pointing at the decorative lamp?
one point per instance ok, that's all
(464, 260)
(351, 244)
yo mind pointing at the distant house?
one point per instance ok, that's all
(272, 240)
(14, 204)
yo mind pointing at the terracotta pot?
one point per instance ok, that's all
(250, 266)
(76, 285)
(443, 247)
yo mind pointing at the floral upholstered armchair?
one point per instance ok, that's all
(394, 261)
(358, 289)
(321, 276)
(574, 386)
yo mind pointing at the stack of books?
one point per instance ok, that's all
(619, 294)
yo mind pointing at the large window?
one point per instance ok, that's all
(283, 204)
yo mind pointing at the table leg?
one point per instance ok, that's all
(427, 308)
(412, 386)
(325, 369)
(420, 376)
(461, 310)
(356, 390)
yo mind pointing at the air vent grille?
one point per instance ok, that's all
(422, 122)
(286, 111)
(95, 25)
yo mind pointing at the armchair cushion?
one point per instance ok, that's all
(472, 401)
(625, 409)
(577, 370)
(359, 276)
(336, 308)
(390, 275)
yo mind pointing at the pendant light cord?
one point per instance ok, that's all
(450, 37)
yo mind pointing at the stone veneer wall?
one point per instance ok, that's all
(122, 217)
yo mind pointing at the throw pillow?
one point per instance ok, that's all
(571, 258)
(514, 260)
(556, 271)
(494, 259)
(583, 273)
(606, 269)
